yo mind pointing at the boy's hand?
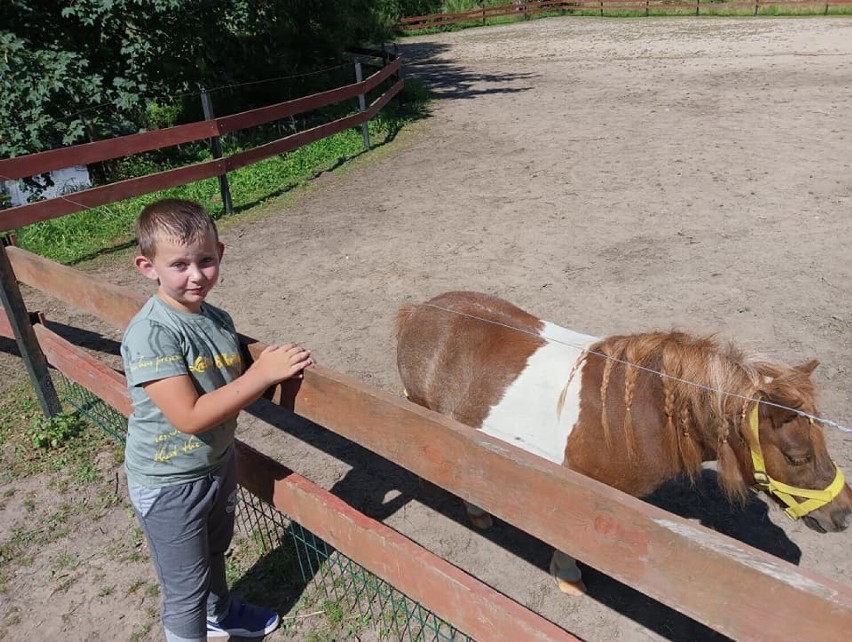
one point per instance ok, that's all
(277, 363)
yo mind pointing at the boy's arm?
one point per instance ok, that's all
(192, 413)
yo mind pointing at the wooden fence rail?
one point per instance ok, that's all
(719, 581)
(450, 593)
(603, 7)
(33, 164)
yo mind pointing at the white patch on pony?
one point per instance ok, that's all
(528, 415)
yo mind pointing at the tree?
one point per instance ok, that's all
(90, 68)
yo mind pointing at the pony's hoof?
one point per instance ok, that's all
(481, 521)
(574, 589)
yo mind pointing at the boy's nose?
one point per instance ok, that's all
(195, 273)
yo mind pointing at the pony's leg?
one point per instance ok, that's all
(568, 578)
(477, 516)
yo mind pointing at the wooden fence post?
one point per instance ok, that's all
(216, 148)
(19, 319)
(362, 105)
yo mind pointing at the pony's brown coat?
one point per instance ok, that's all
(652, 406)
(458, 379)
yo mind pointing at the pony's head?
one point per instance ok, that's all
(790, 448)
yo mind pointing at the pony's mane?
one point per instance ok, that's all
(707, 386)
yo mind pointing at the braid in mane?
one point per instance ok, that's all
(607, 373)
(734, 380)
(676, 358)
(630, 375)
(632, 355)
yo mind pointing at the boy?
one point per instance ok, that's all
(182, 361)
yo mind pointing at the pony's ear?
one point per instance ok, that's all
(808, 367)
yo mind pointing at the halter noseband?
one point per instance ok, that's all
(762, 480)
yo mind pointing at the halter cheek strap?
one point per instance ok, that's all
(784, 492)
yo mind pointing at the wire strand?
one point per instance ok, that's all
(701, 386)
(68, 117)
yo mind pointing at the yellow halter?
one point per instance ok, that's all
(762, 480)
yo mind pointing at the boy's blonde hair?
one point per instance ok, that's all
(175, 219)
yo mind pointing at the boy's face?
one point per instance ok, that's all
(186, 273)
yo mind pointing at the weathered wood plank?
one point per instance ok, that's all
(450, 593)
(6, 327)
(87, 153)
(85, 370)
(385, 98)
(714, 579)
(16, 217)
(293, 141)
(33, 164)
(270, 113)
(111, 303)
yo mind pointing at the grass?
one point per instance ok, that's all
(33, 444)
(84, 235)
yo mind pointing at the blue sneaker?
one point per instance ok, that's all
(244, 620)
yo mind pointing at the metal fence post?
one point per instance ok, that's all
(362, 105)
(216, 148)
(34, 359)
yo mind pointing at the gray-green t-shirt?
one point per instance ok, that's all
(162, 342)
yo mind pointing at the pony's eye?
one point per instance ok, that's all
(798, 460)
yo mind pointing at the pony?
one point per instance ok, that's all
(631, 411)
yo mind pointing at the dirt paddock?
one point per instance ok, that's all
(609, 175)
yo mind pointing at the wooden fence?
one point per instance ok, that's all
(611, 7)
(33, 164)
(734, 589)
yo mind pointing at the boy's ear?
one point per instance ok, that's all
(146, 267)
(221, 249)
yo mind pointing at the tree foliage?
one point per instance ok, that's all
(70, 68)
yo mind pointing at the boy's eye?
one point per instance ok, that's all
(179, 265)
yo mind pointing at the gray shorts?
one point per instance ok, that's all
(189, 528)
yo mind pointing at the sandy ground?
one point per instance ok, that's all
(610, 175)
